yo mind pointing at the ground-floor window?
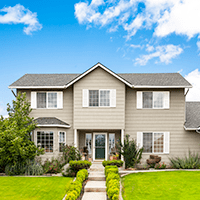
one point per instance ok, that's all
(111, 142)
(88, 142)
(45, 140)
(153, 142)
(62, 141)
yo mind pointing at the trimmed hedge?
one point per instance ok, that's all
(74, 189)
(75, 165)
(112, 182)
(118, 163)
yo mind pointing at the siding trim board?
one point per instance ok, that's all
(53, 125)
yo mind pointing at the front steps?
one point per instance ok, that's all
(95, 189)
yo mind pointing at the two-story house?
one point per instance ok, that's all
(98, 107)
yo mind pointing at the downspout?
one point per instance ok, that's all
(13, 93)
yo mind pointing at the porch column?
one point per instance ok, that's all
(122, 141)
(75, 137)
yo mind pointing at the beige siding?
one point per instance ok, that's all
(169, 120)
(65, 114)
(99, 118)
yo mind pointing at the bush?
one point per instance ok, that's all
(70, 153)
(192, 161)
(113, 191)
(112, 176)
(132, 154)
(75, 166)
(111, 170)
(109, 167)
(160, 166)
(74, 189)
(54, 166)
(28, 168)
(118, 163)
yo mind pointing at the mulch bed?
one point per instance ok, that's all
(82, 191)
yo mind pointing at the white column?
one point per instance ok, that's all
(75, 137)
(122, 141)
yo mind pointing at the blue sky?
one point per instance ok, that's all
(145, 36)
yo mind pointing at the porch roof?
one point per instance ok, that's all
(51, 122)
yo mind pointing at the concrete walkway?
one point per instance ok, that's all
(95, 189)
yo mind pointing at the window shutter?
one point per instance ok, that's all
(166, 142)
(59, 100)
(113, 98)
(85, 98)
(33, 99)
(139, 100)
(166, 99)
(140, 139)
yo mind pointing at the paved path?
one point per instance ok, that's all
(95, 189)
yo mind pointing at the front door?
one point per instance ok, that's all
(100, 150)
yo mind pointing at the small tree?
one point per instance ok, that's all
(132, 154)
(15, 143)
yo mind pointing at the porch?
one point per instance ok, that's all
(100, 143)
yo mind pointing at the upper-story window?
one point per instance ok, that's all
(51, 100)
(155, 100)
(99, 98)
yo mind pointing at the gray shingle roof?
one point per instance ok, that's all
(192, 115)
(50, 121)
(154, 79)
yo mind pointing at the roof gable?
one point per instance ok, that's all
(92, 69)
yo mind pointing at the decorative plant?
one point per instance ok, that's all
(160, 166)
(71, 153)
(132, 154)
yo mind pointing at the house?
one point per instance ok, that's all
(98, 107)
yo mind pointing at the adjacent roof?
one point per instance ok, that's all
(51, 121)
(154, 80)
(192, 115)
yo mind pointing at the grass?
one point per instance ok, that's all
(33, 188)
(162, 185)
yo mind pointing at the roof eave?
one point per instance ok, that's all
(36, 87)
(151, 86)
(53, 125)
(190, 129)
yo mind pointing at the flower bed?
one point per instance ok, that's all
(112, 182)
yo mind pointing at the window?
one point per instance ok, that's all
(45, 140)
(99, 98)
(50, 100)
(111, 142)
(62, 141)
(155, 100)
(153, 142)
(88, 142)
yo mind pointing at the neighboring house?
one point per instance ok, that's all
(98, 107)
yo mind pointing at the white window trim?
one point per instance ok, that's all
(99, 98)
(53, 140)
(47, 99)
(153, 142)
(59, 140)
(163, 108)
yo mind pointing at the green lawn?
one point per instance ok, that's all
(33, 188)
(162, 185)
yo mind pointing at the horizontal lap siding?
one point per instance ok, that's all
(99, 118)
(65, 114)
(167, 120)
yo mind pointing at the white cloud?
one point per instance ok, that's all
(149, 48)
(194, 78)
(165, 53)
(136, 46)
(198, 45)
(18, 14)
(164, 16)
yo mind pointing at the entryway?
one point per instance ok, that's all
(100, 146)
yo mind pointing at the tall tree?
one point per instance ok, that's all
(15, 143)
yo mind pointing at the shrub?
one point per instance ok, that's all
(74, 189)
(30, 167)
(118, 163)
(54, 166)
(160, 166)
(113, 191)
(109, 167)
(75, 166)
(192, 161)
(71, 153)
(132, 154)
(112, 176)
(111, 170)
